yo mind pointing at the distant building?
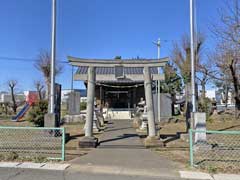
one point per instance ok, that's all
(65, 94)
(211, 94)
(220, 95)
(7, 98)
(83, 94)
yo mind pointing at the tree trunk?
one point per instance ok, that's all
(236, 85)
(5, 108)
(14, 106)
(226, 96)
(40, 94)
(203, 95)
(188, 106)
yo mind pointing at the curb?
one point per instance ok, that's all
(195, 175)
(206, 176)
(116, 170)
(30, 165)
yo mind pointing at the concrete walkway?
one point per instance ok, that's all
(122, 152)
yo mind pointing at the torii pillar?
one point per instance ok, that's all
(89, 140)
(149, 102)
(153, 139)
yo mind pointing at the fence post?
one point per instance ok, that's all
(191, 147)
(63, 144)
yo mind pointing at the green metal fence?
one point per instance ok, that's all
(33, 142)
(215, 150)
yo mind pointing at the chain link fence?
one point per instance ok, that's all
(33, 142)
(215, 150)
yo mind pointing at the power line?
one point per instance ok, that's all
(3, 58)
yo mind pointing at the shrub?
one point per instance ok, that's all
(37, 112)
(83, 105)
(205, 106)
(39, 159)
(11, 156)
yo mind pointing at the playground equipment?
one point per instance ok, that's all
(31, 98)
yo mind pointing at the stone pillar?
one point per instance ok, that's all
(200, 125)
(74, 103)
(100, 96)
(90, 102)
(149, 102)
(134, 98)
(89, 140)
(159, 101)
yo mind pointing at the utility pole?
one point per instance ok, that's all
(72, 78)
(158, 43)
(53, 55)
(192, 32)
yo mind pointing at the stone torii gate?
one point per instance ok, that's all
(89, 140)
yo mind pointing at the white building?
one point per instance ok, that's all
(65, 94)
(7, 98)
(211, 94)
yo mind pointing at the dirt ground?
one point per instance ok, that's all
(75, 131)
(8, 122)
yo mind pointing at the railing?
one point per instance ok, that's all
(33, 142)
(215, 150)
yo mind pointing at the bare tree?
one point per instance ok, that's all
(205, 73)
(181, 56)
(43, 64)
(12, 86)
(227, 55)
(39, 87)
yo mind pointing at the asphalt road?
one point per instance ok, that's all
(28, 174)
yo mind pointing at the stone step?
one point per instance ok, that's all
(119, 115)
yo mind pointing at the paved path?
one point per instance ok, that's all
(122, 152)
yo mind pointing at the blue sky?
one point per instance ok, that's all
(92, 29)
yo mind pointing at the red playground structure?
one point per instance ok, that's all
(31, 98)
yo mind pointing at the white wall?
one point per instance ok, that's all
(211, 94)
(6, 98)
